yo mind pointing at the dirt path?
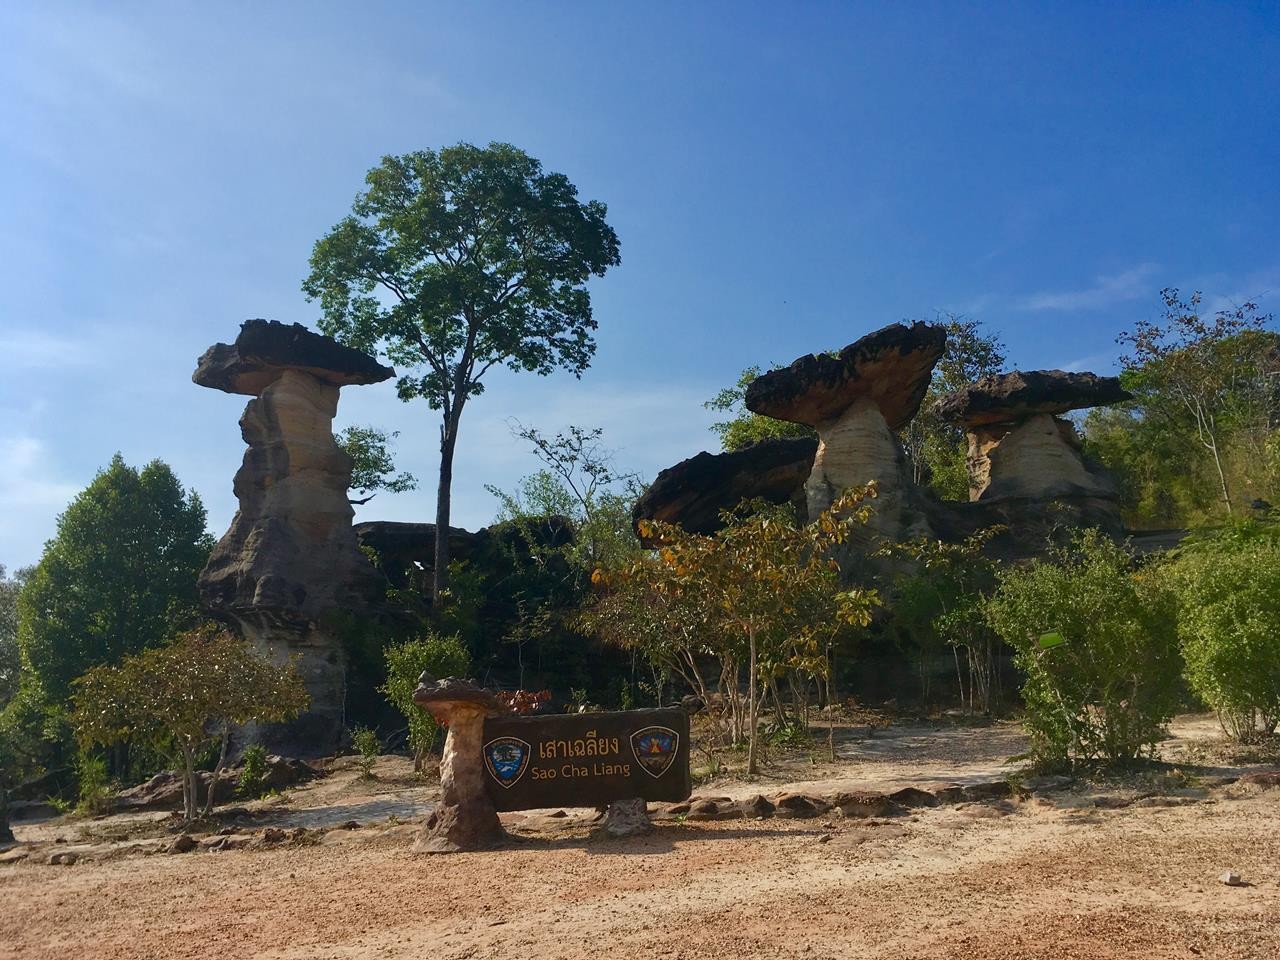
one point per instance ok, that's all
(1053, 876)
(978, 881)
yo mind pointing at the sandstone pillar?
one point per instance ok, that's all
(288, 574)
(856, 400)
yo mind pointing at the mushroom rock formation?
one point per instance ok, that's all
(694, 492)
(856, 400)
(289, 566)
(1019, 445)
(465, 818)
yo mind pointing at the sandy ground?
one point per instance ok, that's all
(1050, 876)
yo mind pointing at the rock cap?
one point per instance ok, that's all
(266, 348)
(694, 492)
(891, 366)
(439, 697)
(1007, 397)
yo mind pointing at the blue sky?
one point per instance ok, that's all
(783, 177)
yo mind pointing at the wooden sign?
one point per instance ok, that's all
(586, 759)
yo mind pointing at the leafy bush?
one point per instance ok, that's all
(1229, 626)
(1097, 643)
(367, 747)
(95, 784)
(253, 770)
(438, 656)
(186, 699)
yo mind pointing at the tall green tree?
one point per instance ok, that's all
(1208, 377)
(455, 261)
(10, 658)
(119, 576)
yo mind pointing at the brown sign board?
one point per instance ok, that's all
(586, 759)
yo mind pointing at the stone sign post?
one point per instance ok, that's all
(466, 818)
(495, 761)
(586, 759)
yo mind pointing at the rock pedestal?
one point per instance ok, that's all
(625, 818)
(1019, 445)
(289, 569)
(856, 400)
(465, 819)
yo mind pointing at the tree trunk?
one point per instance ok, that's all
(6, 832)
(1222, 477)
(752, 748)
(217, 770)
(189, 784)
(448, 440)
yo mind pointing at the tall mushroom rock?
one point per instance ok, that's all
(1020, 447)
(856, 400)
(290, 560)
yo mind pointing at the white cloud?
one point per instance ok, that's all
(1107, 290)
(37, 350)
(31, 497)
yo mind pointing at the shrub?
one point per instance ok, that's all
(367, 747)
(186, 699)
(435, 655)
(95, 784)
(253, 770)
(1097, 643)
(1229, 627)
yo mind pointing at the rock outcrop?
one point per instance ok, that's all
(696, 491)
(1019, 445)
(856, 400)
(1028, 475)
(406, 551)
(289, 566)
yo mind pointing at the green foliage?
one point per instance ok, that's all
(253, 771)
(10, 656)
(438, 656)
(184, 697)
(368, 748)
(744, 427)
(1164, 481)
(1108, 689)
(1228, 589)
(118, 577)
(372, 466)
(937, 449)
(95, 784)
(938, 592)
(1207, 384)
(581, 483)
(456, 261)
(27, 730)
(763, 590)
(626, 699)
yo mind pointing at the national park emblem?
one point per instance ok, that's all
(507, 758)
(655, 749)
